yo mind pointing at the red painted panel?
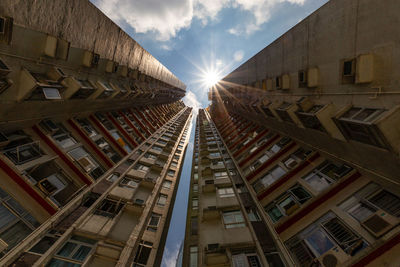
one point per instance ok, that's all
(122, 130)
(62, 155)
(128, 121)
(90, 143)
(260, 149)
(108, 135)
(249, 144)
(140, 123)
(378, 252)
(287, 177)
(270, 161)
(26, 187)
(317, 202)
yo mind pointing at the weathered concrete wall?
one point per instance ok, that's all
(85, 26)
(341, 29)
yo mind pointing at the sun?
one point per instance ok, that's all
(210, 78)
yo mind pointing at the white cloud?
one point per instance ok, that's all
(261, 11)
(238, 55)
(164, 18)
(191, 100)
(170, 256)
(209, 9)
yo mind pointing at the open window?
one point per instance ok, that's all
(109, 208)
(288, 203)
(38, 86)
(326, 174)
(328, 239)
(20, 148)
(361, 124)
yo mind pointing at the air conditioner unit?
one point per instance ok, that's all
(334, 257)
(90, 59)
(62, 50)
(86, 164)
(313, 77)
(380, 223)
(50, 46)
(3, 245)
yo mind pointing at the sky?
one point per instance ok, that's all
(196, 39)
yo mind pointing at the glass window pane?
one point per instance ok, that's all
(319, 242)
(82, 253)
(67, 249)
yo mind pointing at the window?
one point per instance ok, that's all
(358, 124)
(86, 162)
(297, 157)
(162, 199)
(272, 176)
(153, 222)
(302, 77)
(327, 233)
(348, 71)
(149, 156)
(113, 177)
(142, 254)
(220, 175)
(15, 222)
(142, 168)
(215, 155)
(109, 208)
(171, 173)
(74, 252)
(326, 174)
(193, 256)
(167, 184)
(370, 199)
(245, 259)
(129, 183)
(63, 137)
(233, 219)
(226, 192)
(195, 203)
(157, 148)
(195, 188)
(288, 203)
(195, 176)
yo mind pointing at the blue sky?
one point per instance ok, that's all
(192, 37)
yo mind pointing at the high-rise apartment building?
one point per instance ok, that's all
(92, 140)
(308, 139)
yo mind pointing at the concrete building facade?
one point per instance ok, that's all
(92, 140)
(311, 124)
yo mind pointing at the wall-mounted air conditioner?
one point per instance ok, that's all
(285, 82)
(313, 78)
(90, 59)
(50, 46)
(365, 68)
(122, 71)
(334, 257)
(380, 223)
